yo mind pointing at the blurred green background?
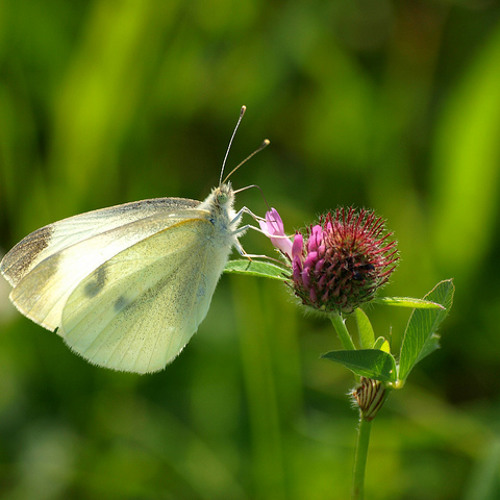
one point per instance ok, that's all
(389, 105)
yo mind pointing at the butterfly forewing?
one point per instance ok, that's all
(42, 292)
(51, 239)
(156, 294)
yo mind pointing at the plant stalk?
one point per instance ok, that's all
(339, 325)
(360, 455)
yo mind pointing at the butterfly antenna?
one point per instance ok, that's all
(251, 186)
(242, 112)
(264, 144)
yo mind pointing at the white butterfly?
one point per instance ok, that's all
(127, 286)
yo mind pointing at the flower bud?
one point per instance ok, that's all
(369, 396)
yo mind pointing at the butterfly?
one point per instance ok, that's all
(126, 287)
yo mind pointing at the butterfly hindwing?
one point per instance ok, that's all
(138, 309)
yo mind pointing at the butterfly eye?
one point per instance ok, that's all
(222, 198)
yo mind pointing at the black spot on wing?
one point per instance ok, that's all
(121, 303)
(93, 287)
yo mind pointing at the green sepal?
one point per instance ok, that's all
(382, 344)
(365, 329)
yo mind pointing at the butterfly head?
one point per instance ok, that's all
(220, 203)
(224, 195)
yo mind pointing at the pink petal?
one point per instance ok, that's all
(315, 238)
(297, 246)
(274, 228)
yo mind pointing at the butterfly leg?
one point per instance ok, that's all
(240, 248)
(246, 210)
(251, 256)
(241, 230)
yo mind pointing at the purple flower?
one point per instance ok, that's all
(339, 263)
(274, 228)
(345, 259)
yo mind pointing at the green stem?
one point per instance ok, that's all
(339, 325)
(358, 476)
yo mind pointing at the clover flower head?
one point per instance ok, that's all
(338, 263)
(341, 262)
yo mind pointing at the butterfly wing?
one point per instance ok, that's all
(53, 238)
(47, 265)
(139, 309)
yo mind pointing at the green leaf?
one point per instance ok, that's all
(429, 347)
(408, 302)
(371, 363)
(420, 337)
(365, 329)
(257, 268)
(382, 344)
